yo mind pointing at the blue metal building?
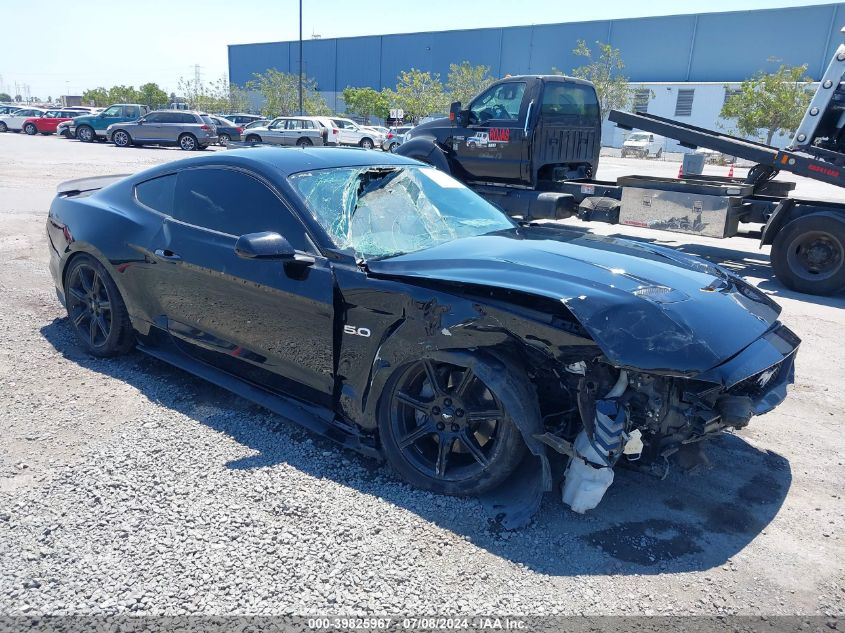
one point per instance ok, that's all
(723, 47)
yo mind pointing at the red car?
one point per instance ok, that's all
(48, 123)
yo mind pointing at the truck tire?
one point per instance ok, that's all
(808, 254)
(85, 133)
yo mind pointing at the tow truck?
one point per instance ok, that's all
(530, 144)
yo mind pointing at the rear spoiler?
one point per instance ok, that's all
(80, 185)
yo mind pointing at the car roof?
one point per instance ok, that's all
(285, 161)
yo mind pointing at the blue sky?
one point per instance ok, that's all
(100, 43)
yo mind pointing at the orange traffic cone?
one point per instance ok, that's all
(680, 171)
(731, 171)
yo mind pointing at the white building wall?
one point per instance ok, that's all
(706, 106)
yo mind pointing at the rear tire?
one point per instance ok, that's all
(3, 127)
(304, 142)
(366, 143)
(223, 139)
(808, 254)
(659, 154)
(451, 438)
(188, 142)
(85, 133)
(30, 129)
(96, 310)
(392, 147)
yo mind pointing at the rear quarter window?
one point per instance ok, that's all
(565, 99)
(157, 194)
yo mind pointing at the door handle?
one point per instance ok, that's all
(168, 255)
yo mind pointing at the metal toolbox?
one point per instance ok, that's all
(700, 207)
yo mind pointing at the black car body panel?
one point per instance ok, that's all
(699, 347)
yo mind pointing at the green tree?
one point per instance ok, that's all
(771, 103)
(605, 72)
(281, 94)
(151, 95)
(465, 81)
(418, 93)
(96, 96)
(5, 96)
(366, 102)
(123, 94)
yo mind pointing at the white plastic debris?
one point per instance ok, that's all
(585, 484)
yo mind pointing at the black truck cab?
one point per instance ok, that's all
(522, 130)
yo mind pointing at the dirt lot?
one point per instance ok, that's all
(128, 486)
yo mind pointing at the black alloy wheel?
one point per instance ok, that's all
(96, 310)
(445, 430)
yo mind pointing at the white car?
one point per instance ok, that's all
(14, 122)
(643, 145)
(353, 134)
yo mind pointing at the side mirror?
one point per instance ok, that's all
(264, 245)
(141, 121)
(455, 112)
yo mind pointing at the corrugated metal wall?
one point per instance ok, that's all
(702, 47)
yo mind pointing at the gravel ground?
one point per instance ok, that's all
(127, 486)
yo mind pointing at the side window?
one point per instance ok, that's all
(133, 112)
(184, 117)
(112, 111)
(153, 118)
(233, 202)
(501, 102)
(294, 124)
(157, 193)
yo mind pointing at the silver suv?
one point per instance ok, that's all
(286, 131)
(189, 130)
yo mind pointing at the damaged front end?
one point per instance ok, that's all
(623, 413)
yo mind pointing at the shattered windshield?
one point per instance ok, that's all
(391, 210)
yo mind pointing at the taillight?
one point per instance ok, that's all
(239, 129)
(335, 130)
(390, 135)
(204, 127)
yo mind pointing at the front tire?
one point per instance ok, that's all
(30, 129)
(188, 142)
(85, 133)
(808, 254)
(121, 138)
(3, 127)
(443, 429)
(96, 309)
(252, 138)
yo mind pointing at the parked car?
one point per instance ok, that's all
(257, 123)
(8, 109)
(92, 127)
(385, 304)
(394, 137)
(226, 130)
(49, 121)
(377, 128)
(14, 122)
(353, 134)
(187, 129)
(287, 131)
(330, 131)
(63, 129)
(643, 145)
(242, 118)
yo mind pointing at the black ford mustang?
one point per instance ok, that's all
(382, 303)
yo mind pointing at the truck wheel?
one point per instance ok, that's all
(808, 254)
(85, 133)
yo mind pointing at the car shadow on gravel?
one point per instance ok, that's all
(646, 524)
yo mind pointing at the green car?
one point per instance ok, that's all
(91, 127)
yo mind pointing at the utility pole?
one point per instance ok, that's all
(301, 112)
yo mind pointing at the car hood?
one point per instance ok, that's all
(647, 307)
